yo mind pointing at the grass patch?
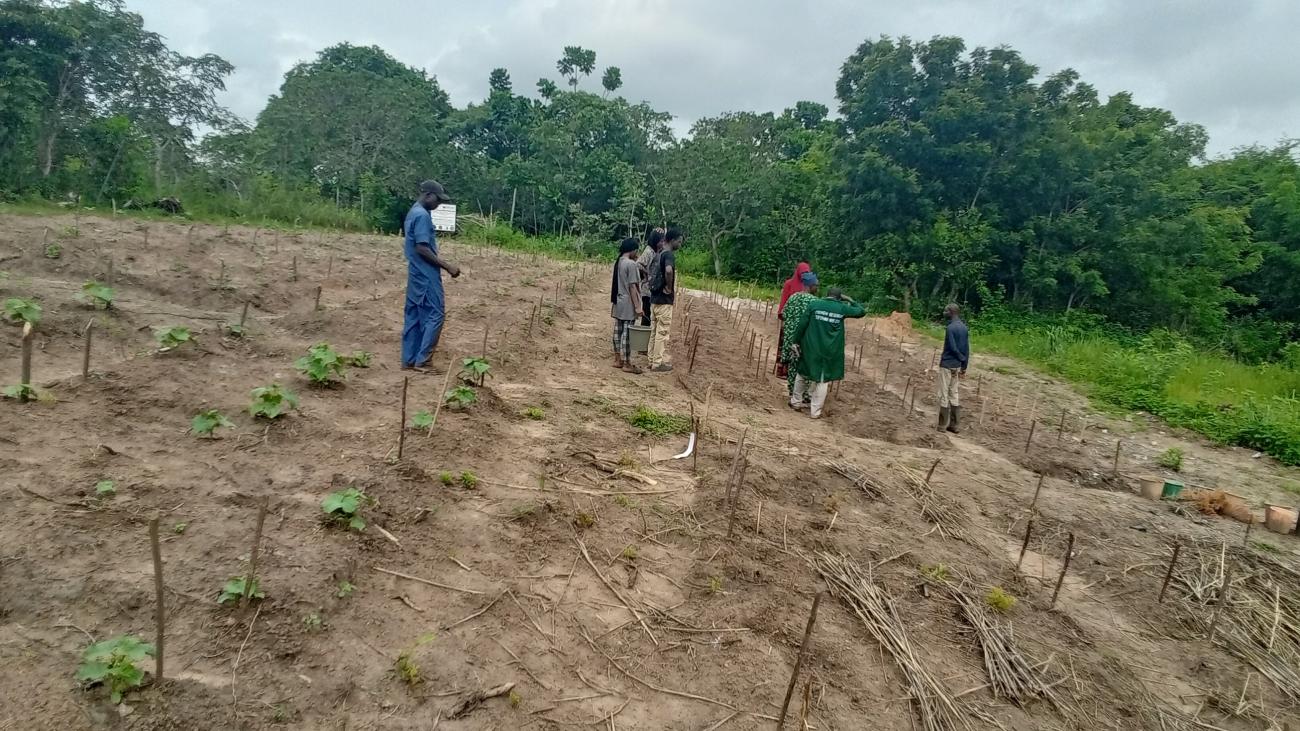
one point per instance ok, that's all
(658, 423)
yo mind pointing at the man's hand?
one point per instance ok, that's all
(453, 270)
(962, 373)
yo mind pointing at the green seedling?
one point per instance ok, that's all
(407, 671)
(235, 587)
(474, 370)
(460, 398)
(524, 511)
(359, 358)
(97, 295)
(468, 480)
(172, 337)
(999, 600)
(535, 413)
(584, 520)
(622, 501)
(515, 699)
(179, 528)
(421, 420)
(236, 330)
(321, 364)
(19, 309)
(342, 507)
(446, 478)
(715, 585)
(72, 232)
(20, 391)
(53, 251)
(272, 401)
(630, 553)
(113, 662)
(206, 422)
(345, 589)
(1172, 459)
(313, 622)
(105, 488)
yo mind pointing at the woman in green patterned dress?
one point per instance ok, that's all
(794, 309)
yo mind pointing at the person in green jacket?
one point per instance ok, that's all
(819, 348)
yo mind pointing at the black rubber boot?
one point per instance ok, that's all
(954, 423)
(944, 416)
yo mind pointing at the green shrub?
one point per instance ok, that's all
(1172, 459)
(657, 423)
(321, 364)
(115, 662)
(999, 600)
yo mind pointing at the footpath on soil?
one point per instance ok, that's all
(530, 554)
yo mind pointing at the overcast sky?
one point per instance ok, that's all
(1230, 65)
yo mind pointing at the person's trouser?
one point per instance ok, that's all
(661, 323)
(422, 328)
(816, 389)
(645, 310)
(949, 381)
(622, 339)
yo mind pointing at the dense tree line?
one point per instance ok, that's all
(947, 174)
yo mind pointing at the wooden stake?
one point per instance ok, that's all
(1024, 545)
(1034, 503)
(735, 493)
(85, 350)
(798, 660)
(485, 338)
(25, 368)
(159, 610)
(221, 280)
(906, 388)
(442, 395)
(983, 405)
(885, 379)
(317, 305)
(401, 427)
(1065, 566)
(1115, 467)
(293, 277)
(979, 386)
(243, 316)
(1169, 573)
(1224, 592)
(930, 474)
(911, 409)
(1030, 440)
(252, 559)
(1060, 430)
(329, 268)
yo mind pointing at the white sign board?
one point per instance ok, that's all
(444, 217)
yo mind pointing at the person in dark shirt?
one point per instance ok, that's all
(663, 291)
(952, 368)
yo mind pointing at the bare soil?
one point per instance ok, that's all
(667, 621)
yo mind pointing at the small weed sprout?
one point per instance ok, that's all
(313, 622)
(1172, 459)
(407, 671)
(627, 461)
(20, 391)
(113, 662)
(630, 553)
(321, 364)
(515, 699)
(446, 478)
(179, 528)
(97, 295)
(105, 488)
(584, 520)
(235, 587)
(999, 600)
(53, 251)
(938, 573)
(172, 337)
(19, 309)
(474, 370)
(345, 589)
(468, 480)
(342, 507)
(206, 422)
(715, 585)
(622, 501)
(535, 413)
(359, 358)
(272, 401)
(421, 420)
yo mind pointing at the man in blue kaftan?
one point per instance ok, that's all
(424, 302)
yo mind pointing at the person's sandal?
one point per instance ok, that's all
(634, 370)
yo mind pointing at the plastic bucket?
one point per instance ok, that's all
(1171, 489)
(1151, 488)
(1279, 518)
(640, 338)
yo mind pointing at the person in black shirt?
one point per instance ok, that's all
(663, 290)
(952, 368)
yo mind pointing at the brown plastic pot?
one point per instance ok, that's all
(1279, 518)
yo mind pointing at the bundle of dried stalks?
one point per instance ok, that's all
(1011, 675)
(935, 705)
(940, 511)
(860, 478)
(1260, 621)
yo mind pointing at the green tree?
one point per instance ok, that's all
(576, 61)
(612, 81)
